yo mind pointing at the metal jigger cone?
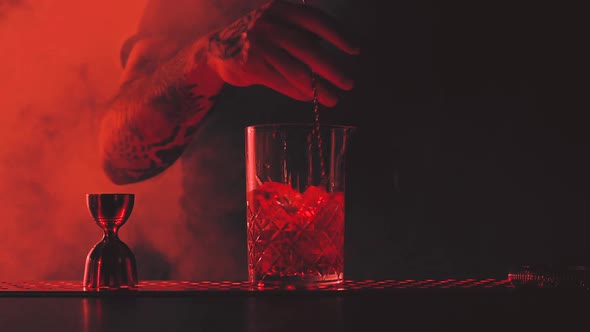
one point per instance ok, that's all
(110, 264)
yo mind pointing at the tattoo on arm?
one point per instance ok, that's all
(155, 115)
(136, 153)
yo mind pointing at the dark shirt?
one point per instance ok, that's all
(470, 158)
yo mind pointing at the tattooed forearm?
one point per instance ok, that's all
(178, 104)
(139, 147)
(141, 137)
(161, 103)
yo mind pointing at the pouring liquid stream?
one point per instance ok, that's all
(315, 139)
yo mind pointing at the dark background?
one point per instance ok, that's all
(471, 155)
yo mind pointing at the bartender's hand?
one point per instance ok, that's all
(278, 46)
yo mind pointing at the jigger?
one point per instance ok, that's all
(110, 264)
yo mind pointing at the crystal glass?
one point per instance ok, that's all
(110, 264)
(295, 180)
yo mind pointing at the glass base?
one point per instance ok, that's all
(110, 289)
(297, 282)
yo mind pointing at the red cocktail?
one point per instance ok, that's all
(295, 197)
(295, 237)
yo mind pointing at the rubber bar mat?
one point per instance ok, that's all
(555, 277)
(189, 287)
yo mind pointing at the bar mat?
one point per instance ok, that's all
(160, 287)
(554, 277)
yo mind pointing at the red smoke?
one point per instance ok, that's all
(59, 63)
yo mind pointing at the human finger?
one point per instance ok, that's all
(300, 46)
(316, 21)
(265, 73)
(297, 73)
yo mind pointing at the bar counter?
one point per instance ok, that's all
(367, 305)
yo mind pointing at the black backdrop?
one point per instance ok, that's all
(471, 155)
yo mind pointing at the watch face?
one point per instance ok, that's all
(551, 276)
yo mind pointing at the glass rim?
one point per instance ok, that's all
(107, 193)
(274, 126)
